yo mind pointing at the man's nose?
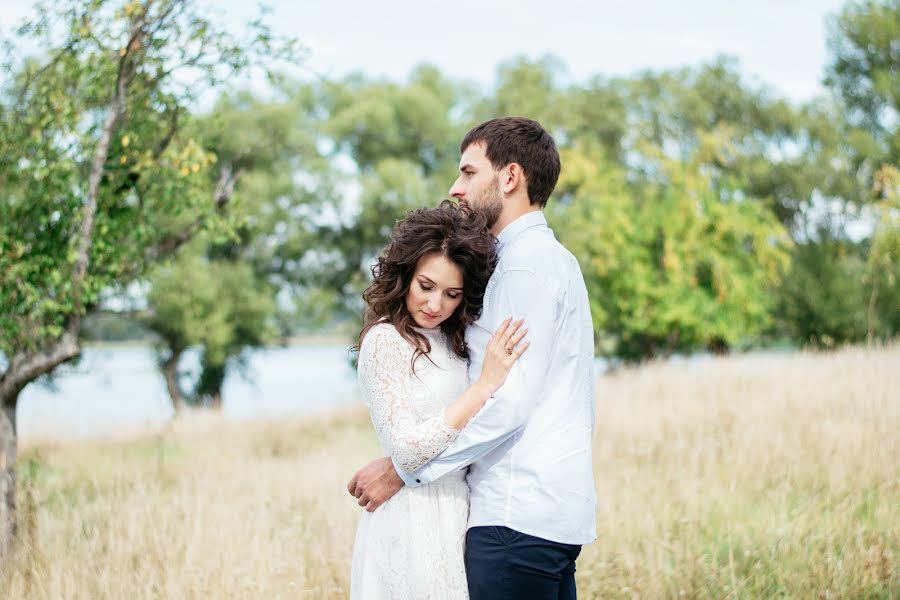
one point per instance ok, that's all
(457, 190)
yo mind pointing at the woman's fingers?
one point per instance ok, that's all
(520, 349)
(517, 337)
(501, 329)
(505, 340)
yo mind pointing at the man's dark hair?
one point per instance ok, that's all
(523, 141)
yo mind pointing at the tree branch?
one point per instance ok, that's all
(222, 194)
(116, 111)
(25, 368)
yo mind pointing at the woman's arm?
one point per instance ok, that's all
(384, 365)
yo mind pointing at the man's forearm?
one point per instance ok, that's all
(486, 431)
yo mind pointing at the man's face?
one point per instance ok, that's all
(478, 184)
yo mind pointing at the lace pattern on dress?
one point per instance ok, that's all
(396, 399)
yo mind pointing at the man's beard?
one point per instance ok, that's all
(490, 205)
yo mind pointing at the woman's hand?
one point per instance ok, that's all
(502, 351)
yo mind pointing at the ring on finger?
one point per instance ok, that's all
(508, 349)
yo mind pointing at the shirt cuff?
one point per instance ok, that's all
(410, 479)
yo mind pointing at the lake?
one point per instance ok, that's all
(119, 389)
(115, 389)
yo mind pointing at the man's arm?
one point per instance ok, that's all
(519, 293)
(414, 444)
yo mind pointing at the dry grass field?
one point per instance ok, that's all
(764, 476)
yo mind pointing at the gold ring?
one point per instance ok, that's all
(508, 350)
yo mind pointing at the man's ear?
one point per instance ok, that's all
(511, 177)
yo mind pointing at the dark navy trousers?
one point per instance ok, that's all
(503, 564)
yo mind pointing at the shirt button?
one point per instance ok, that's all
(418, 481)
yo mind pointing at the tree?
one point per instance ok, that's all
(282, 182)
(884, 255)
(98, 178)
(403, 144)
(863, 71)
(668, 265)
(220, 306)
(863, 74)
(376, 120)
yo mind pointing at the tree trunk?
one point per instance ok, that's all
(870, 312)
(170, 370)
(22, 370)
(7, 480)
(210, 385)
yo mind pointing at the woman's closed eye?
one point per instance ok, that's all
(428, 288)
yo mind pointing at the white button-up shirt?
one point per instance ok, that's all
(529, 448)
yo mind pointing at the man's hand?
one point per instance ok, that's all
(375, 483)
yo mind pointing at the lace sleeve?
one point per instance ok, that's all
(384, 374)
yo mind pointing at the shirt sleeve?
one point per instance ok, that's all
(384, 373)
(519, 294)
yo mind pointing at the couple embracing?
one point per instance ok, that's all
(476, 364)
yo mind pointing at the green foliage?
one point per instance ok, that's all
(883, 263)
(403, 140)
(103, 96)
(222, 298)
(669, 266)
(680, 191)
(105, 326)
(374, 120)
(863, 72)
(217, 305)
(822, 301)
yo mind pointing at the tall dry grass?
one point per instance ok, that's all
(745, 477)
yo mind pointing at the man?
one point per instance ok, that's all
(532, 502)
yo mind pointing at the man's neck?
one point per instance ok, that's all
(508, 216)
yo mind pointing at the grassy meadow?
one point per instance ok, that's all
(764, 476)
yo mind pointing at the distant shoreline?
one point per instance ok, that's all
(336, 339)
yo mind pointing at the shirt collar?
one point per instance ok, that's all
(526, 221)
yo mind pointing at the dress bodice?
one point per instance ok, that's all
(407, 404)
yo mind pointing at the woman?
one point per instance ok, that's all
(428, 286)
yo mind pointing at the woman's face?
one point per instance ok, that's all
(435, 290)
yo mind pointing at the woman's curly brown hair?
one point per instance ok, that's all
(459, 235)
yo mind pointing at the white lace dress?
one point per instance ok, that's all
(412, 546)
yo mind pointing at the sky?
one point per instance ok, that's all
(779, 43)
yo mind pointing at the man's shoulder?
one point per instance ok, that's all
(539, 252)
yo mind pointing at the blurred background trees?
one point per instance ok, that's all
(708, 213)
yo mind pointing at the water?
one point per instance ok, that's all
(117, 389)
